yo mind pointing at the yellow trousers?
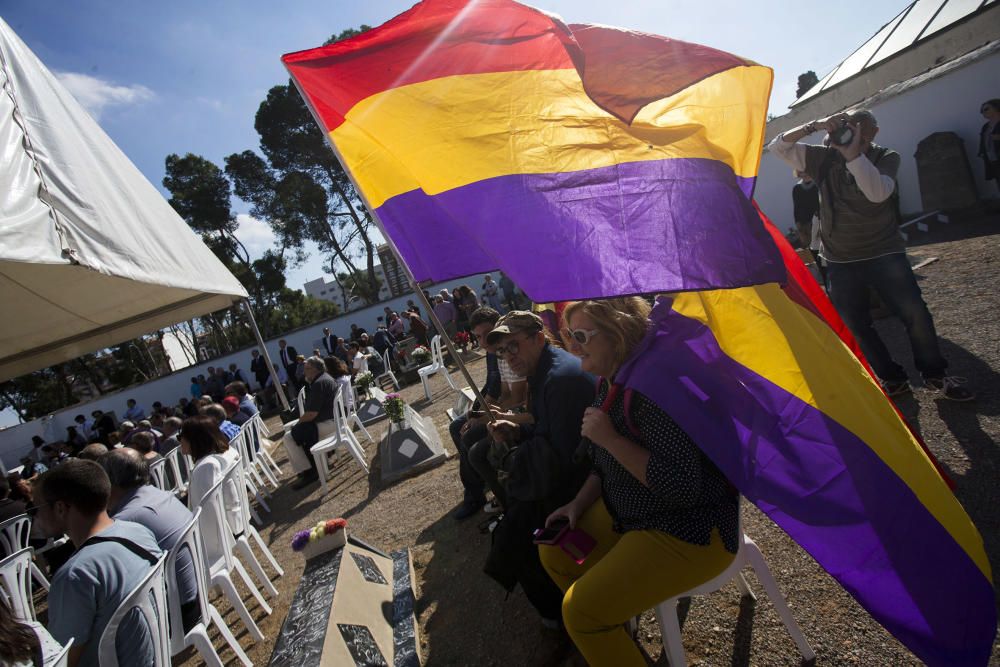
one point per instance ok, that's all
(622, 577)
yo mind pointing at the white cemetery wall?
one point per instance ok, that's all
(15, 442)
(949, 103)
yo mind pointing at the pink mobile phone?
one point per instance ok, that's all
(553, 533)
(577, 544)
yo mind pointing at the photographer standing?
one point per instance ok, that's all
(862, 244)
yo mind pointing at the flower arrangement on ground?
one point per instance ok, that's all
(395, 407)
(420, 354)
(322, 537)
(462, 340)
(364, 381)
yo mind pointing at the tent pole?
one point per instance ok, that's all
(414, 285)
(278, 390)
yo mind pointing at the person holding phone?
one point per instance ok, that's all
(663, 517)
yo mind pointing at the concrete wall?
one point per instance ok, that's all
(948, 103)
(15, 442)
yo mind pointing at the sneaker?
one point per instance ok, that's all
(467, 509)
(896, 387)
(492, 507)
(950, 387)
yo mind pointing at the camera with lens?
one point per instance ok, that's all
(843, 135)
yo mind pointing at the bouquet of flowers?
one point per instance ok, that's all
(364, 381)
(395, 407)
(462, 339)
(304, 537)
(420, 354)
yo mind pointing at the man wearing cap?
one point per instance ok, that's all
(535, 459)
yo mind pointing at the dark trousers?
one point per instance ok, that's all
(480, 462)
(893, 279)
(305, 435)
(473, 483)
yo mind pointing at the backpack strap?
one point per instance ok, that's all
(127, 543)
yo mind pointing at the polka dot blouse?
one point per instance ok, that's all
(687, 495)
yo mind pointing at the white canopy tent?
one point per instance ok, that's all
(90, 252)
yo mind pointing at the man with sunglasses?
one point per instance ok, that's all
(536, 458)
(505, 390)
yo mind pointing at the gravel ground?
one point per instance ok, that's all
(465, 619)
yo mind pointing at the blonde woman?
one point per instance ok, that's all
(664, 517)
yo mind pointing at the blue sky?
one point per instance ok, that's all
(188, 76)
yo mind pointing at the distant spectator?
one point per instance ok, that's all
(237, 375)
(145, 443)
(85, 427)
(418, 329)
(169, 440)
(989, 140)
(134, 412)
(338, 370)
(206, 445)
(75, 438)
(31, 469)
(52, 455)
(384, 341)
(36, 448)
(287, 355)
(491, 294)
(214, 384)
(104, 424)
(395, 326)
(218, 414)
(239, 390)
(233, 413)
(356, 332)
(90, 586)
(258, 366)
(359, 360)
(92, 452)
(195, 388)
(342, 352)
(329, 341)
(446, 314)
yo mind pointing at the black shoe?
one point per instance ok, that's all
(950, 387)
(305, 479)
(467, 509)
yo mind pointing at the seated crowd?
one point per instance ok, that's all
(566, 446)
(100, 496)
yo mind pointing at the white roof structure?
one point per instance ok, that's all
(918, 21)
(90, 252)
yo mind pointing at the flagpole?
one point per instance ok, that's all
(414, 285)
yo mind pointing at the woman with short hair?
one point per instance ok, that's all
(664, 517)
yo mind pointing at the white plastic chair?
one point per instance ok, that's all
(251, 477)
(343, 435)
(15, 534)
(255, 465)
(219, 571)
(261, 432)
(436, 366)
(158, 474)
(387, 374)
(190, 539)
(149, 598)
(747, 554)
(353, 419)
(15, 573)
(242, 544)
(179, 471)
(62, 658)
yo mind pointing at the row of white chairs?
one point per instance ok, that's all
(16, 573)
(437, 365)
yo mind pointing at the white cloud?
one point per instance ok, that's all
(255, 234)
(95, 94)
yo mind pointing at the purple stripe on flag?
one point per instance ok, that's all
(656, 226)
(826, 488)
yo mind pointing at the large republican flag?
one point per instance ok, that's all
(589, 162)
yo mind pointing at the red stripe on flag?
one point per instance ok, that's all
(434, 39)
